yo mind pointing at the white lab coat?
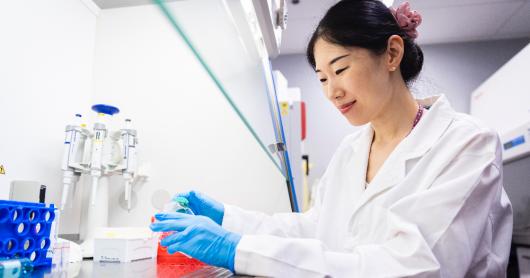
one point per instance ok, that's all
(436, 208)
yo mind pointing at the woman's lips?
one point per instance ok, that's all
(346, 107)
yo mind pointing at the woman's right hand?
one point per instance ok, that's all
(203, 205)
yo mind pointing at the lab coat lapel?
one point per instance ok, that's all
(348, 185)
(417, 143)
(345, 189)
(356, 167)
(391, 173)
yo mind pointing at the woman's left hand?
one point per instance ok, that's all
(199, 237)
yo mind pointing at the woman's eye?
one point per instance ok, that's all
(322, 80)
(341, 70)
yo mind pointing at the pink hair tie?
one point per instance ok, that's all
(408, 20)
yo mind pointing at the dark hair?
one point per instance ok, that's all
(367, 24)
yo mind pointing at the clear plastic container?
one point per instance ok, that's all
(179, 204)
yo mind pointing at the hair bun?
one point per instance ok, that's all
(408, 20)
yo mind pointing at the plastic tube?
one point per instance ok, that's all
(64, 197)
(21, 267)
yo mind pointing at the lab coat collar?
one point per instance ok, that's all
(429, 129)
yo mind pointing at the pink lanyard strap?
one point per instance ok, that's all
(418, 115)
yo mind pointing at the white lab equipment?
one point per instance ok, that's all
(124, 245)
(516, 143)
(129, 139)
(99, 154)
(503, 101)
(25, 191)
(271, 20)
(98, 139)
(506, 93)
(74, 146)
(178, 127)
(290, 101)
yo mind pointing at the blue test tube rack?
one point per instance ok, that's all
(25, 231)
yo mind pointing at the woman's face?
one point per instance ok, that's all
(356, 81)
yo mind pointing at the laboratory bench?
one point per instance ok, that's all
(141, 269)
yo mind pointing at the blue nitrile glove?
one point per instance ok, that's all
(201, 204)
(199, 237)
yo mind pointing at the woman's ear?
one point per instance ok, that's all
(394, 52)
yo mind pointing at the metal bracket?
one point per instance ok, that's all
(277, 147)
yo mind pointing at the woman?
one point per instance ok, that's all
(417, 192)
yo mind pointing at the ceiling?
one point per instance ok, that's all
(111, 4)
(443, 21)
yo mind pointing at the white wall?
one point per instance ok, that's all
(453, 69)
(187, 131)
(58, 59)
(46, 58)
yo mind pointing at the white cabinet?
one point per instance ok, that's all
(503, 103)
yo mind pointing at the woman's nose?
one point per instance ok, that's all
(334, 91)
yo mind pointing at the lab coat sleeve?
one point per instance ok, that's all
(432, 233)
(243, 222)
(404, 253)
(300, 225)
